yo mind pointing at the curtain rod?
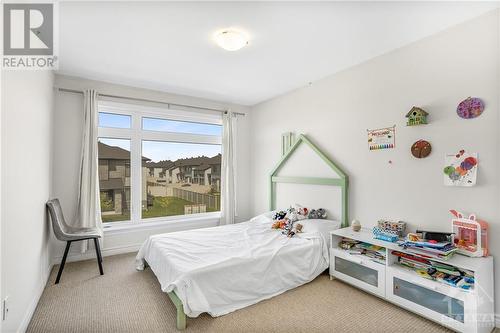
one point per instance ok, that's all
(151, 101)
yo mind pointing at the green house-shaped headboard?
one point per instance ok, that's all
(341, 181)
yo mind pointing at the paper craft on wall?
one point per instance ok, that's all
(460, 169)
(382, 138)
(469, 108)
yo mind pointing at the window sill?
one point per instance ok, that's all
(210, 219)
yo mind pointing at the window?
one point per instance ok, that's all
(158, 164)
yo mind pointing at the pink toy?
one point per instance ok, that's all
(470, 235)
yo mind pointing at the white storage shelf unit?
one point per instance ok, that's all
(461, 310)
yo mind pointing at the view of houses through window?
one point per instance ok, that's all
(114, 179)
(187, 185)
(176, 178)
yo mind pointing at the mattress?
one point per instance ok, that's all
(222, 269)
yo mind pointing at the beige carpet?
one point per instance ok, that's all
(124, 300)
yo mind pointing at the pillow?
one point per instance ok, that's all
(265, 217)
(321, 226)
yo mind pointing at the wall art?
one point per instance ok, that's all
(416, 116)
(421, 149)
(469, 108)
(460, 169)
(382, 138)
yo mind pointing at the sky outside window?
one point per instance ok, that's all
(114, 120)
(166, 125)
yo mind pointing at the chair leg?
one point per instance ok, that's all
(98, 255)
(63, 261)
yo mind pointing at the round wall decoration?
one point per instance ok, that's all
(469, 108)
(421, 149)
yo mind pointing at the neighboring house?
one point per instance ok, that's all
(114, 179)
(200, 174)
(158, 171)
(215, 172)
(200, 170)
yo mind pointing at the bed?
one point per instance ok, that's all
(222, 269)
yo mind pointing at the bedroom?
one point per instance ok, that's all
(175, 128)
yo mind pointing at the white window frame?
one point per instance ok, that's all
(136, 135)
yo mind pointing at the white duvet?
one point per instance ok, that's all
(219, 270)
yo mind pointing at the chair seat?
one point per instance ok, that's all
(75, 233)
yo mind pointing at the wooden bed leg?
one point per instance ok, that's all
(181, 319)
(181, 316)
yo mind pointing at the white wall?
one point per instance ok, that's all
(435, 73)
(67, 142)
(26, 120)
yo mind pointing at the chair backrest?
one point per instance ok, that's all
(56, 215)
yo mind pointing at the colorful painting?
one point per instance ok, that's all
(469, 108)
(460, 169)
(382, 138)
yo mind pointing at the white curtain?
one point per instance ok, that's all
(88, 197)
(228, 169)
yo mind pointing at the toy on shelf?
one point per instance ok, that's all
(398, 227)
(436, 235)
(356, 225)
(385, 235)
(470, 235)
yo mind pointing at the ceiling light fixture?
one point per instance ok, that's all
(231, 39)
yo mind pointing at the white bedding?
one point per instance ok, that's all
(219, 270)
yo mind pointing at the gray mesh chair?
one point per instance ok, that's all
(69, 234)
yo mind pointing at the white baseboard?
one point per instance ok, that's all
(90, 254)
(32, 307)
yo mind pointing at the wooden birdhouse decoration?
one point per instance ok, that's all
(416, 116)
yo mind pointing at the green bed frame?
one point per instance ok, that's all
(181, 316)
(289, 145)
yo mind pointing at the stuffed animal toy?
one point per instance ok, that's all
(303, 212)
(317, 214)
(279, 215)
(322, 213)
(280, 224)
(292, 214)
(297, 230)
(288, 227)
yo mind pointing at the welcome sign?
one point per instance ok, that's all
(382, 138)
